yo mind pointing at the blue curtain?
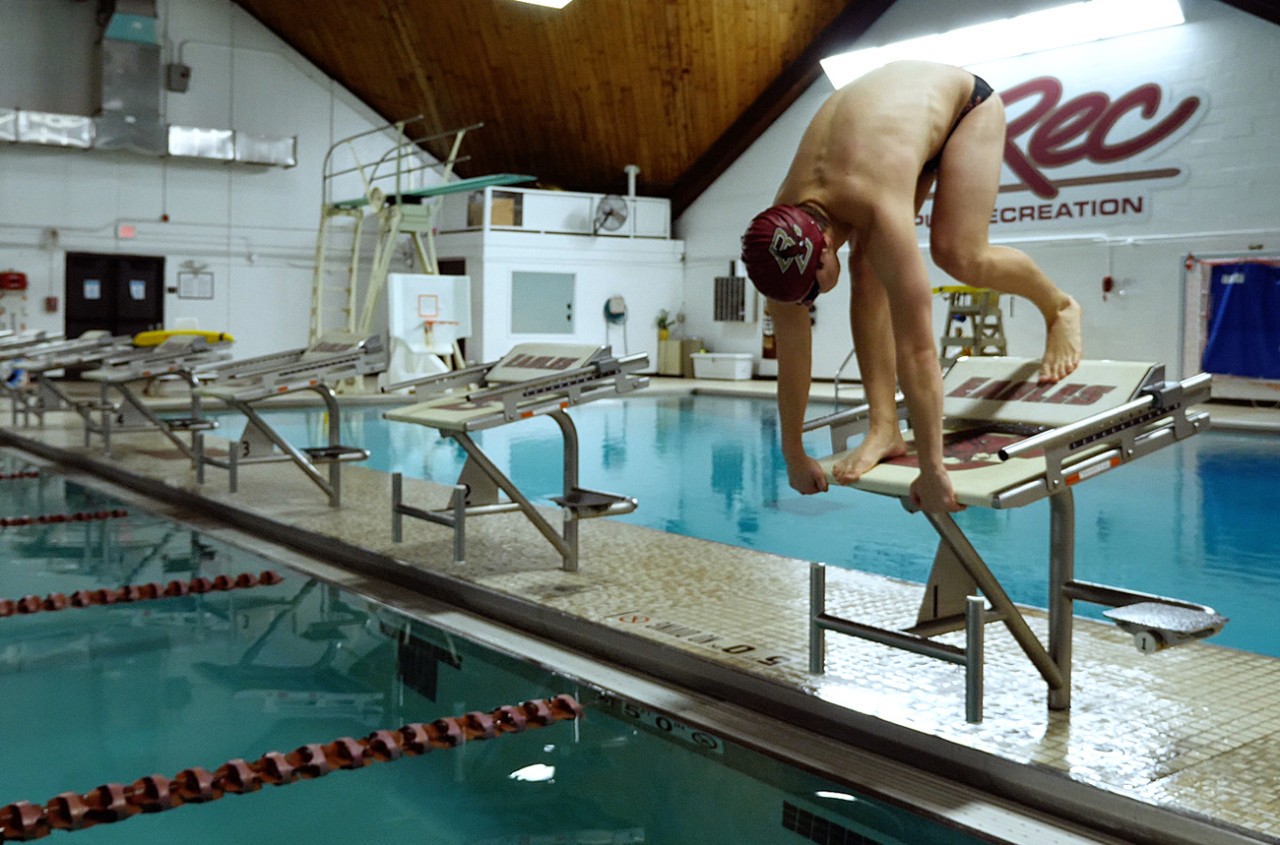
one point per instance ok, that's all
(1244, 320)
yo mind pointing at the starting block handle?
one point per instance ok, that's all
(1191, 391)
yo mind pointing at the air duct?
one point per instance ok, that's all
(129, 66)
(129, 80)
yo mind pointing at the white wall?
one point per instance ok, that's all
(1222, 200)
(647, 272)
(253, 227)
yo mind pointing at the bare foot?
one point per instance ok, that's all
(873, 449)
(1063, 346)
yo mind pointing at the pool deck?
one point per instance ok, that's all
(1180, 746)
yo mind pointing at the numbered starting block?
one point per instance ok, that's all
(243, 385)
(1009, 441)
(533, 379)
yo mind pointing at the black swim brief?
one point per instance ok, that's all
(981, 91)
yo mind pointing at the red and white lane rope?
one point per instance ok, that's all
(136, 592)
(114, 802)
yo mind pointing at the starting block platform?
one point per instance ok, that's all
(179, 355)
(28, 372)
(243, 385)
(1008, 441)
(533, 379)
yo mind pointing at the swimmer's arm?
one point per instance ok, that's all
(795, 350)
(794, 341)
(895, 257)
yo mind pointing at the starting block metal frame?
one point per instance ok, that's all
(531, 380)
(27, 379)
(243, 385)
(1104, 415)
(179, 356)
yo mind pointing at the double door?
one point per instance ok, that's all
(123, 294)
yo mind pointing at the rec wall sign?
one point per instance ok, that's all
(1087, 159)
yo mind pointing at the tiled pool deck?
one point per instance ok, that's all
(1193, 730)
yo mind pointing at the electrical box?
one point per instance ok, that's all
(177, 78)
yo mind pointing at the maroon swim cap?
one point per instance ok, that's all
(782, 249)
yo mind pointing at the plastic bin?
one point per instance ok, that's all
(733, 366)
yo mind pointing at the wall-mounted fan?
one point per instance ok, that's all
(611, 213)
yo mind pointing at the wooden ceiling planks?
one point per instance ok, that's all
(571, 96)
(678, 87)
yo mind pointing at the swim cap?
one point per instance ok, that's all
(782, 249)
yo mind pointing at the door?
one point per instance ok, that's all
(542, 303)
(455, 267)
(123, 294)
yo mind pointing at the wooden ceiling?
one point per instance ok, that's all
(572, 96)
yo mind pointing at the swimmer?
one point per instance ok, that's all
(864, 168)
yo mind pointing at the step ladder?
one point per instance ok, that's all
(333, 294)
(378, 179)
(974, 324)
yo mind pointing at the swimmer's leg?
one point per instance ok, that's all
(968, 180)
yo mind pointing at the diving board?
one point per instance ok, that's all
(533, 379)
(179, 355)
(1008, 441)
(243, 385)
(417, 195)
(387, 186)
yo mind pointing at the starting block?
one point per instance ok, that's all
(28, 368)
(1009, 441)
(533, 379)
(243, 384)
(179, 355)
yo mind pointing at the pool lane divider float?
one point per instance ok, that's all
(113, 802)
(52, 518)
(136, 592)
(21, 474)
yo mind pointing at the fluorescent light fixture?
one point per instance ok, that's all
(835, 796)
(554, 4)
(1049, 29)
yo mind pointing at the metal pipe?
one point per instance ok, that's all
(1092, 424)
(1062, 555)
(975, 610)
(896, 639)
(539, 522)
(570, 483)
(817, 609)
(1013, 620)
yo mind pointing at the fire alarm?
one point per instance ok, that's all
(13, 280)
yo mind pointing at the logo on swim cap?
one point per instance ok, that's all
(779, 249)
(787, 250)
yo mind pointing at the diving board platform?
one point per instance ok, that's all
(1008, 441)
(418, 195)
(179, 355)
(533, 379)
(243, 385)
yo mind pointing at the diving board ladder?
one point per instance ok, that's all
(387, 183)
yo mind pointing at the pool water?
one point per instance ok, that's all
(115, 693)
(1193, 521)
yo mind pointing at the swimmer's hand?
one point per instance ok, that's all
(931, 492)
(806, 476)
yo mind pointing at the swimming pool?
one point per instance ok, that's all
(114, 693)
(1191, 521)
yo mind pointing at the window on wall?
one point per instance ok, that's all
(541, 303)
